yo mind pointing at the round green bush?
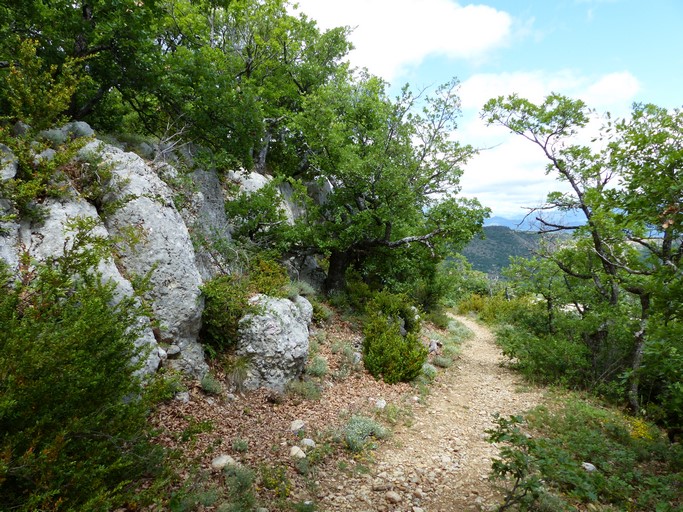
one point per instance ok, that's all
(389, 355)
(398, 308)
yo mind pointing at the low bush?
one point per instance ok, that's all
(389, 355)
(73, 415)
(542, 460)
(317, 367)
(546, 360)
(429, 371)
(306, 389)
(226, 301)
(239, 481)
(359, 431)
(442, 361)
(211, 384)
(397, 308)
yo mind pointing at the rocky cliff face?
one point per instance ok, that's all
(171, 251)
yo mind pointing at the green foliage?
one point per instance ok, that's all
(458, 332)
(495, 309)
(306, 389)
(195, 427)
(72, 410)
(317, 367)
(259, 217)
(442, 361)
(429, 371)
(38, 178)
(227, 299)
(636, 468)
(240, 445)
(386, 162)
(359, 431)
(267, 276)
(398, 308)
(239, 481)
(618, 271)
(663, 377)
(545, 360)
(226, 302)
(210, 384)
(275, 478)
(388, 354)
(322, 314)
(37, 93)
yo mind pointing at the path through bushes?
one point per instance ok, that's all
(442, 460)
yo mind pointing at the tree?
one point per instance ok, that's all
(233, 74)
(113, 40)
(629, 192)
(392, 173)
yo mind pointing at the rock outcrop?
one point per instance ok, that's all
(51, 237)
(275, 339)
(164, 251)
(135, 199)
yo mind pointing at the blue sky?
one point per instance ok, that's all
(610, 53)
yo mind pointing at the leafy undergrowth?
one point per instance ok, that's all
(346, 412)
(573, 455)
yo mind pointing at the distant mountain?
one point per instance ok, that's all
(491, 252)
(517, 224)
(530, 223)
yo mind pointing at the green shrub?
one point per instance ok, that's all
(275, 478)
(322, 314)
(317, 367)
(267, 276)
(240, 445)
(389, 355)
(211, 384)
(429, 371)
(459, 332)
(398, 308)
(239, 481)
(73, 415)
(550, 359)
(38, 94)
(359, 430)
(306, 389)
(442, 361)
(629, 456)
(226, 301)
(439, 318)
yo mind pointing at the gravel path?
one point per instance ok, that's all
(442, 461)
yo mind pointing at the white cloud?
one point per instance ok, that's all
(392, 35)
(614, 89)
(511, 174)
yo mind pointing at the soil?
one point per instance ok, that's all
(437, 458)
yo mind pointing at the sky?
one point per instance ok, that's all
(609, 53)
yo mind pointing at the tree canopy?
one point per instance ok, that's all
(627, 255)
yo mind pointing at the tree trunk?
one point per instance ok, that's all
(633, 398)
(336, 275)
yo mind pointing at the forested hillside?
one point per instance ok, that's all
(181, 180)
(490, 251)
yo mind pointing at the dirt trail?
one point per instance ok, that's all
(441, 462)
